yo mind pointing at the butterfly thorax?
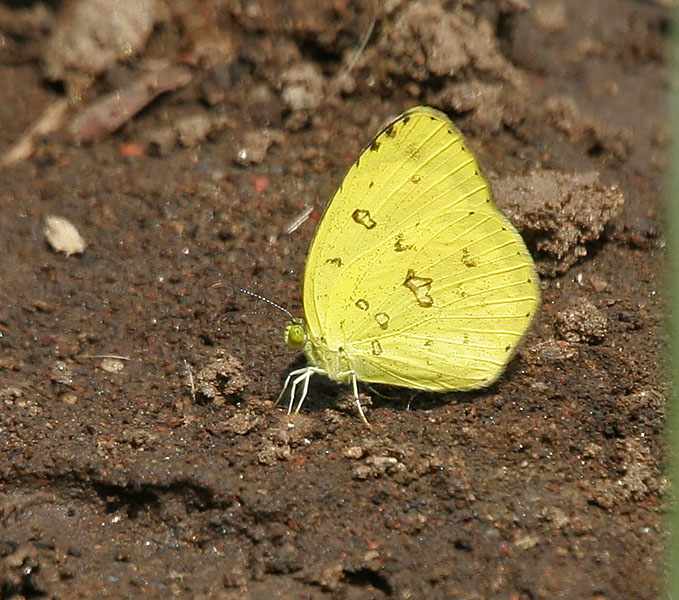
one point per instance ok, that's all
(335, 362)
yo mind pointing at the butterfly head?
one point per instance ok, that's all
(295, 334)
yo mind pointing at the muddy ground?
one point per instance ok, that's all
(141, 451)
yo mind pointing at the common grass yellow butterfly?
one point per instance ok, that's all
(413, 278)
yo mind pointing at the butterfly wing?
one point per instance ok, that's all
(413, 274)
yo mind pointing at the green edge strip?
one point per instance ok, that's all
(672, 287)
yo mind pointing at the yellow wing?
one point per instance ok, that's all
(413, 276)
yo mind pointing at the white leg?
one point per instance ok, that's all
(354, 386)
(296, 377)
(305, 390)
(304, 376)
(308, 372)
(358, 402)
(285, 387)
(291, 374)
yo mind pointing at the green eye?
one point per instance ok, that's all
(295, 335)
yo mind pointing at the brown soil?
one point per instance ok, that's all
(173, 473)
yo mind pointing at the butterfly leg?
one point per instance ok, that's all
(285, 387)
(354, 386)
(358, 401)
(297, 377)
(291, 374)
(306, 377)
(301, 375)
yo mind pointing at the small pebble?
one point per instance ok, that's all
(112, 365)
(62, 236)
(353, 452)
(69, 398)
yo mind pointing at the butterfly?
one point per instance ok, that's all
(413, 277)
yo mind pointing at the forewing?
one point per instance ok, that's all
(412, 270)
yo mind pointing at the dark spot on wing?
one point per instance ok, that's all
(362, 217)
(420, 287)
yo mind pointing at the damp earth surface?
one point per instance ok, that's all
(159, 156)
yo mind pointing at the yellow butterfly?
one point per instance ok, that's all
(413, 278)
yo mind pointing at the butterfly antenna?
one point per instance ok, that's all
(260, 297)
